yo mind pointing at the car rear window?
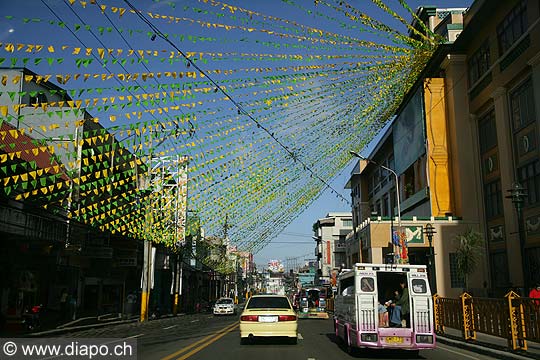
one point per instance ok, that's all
(224, 301)
(268, 303)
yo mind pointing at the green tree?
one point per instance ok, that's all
(469, 250)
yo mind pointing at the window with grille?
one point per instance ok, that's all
(385, 206)
(522, 105)
(456, 279)
(529, 177)
(487, 132)
(499, 270)
(479, 63)
(493, 199)
(512, 27)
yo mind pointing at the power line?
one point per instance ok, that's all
(293, 242)
(95, 56)
(192, 127)
(296, 234)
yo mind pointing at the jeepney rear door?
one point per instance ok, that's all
(366, 300)
(421, 302)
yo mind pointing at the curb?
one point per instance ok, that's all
(80, 327)
(63, 330)
(485, 349)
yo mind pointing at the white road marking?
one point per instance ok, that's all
(116, 340)
(310, 358)
(169, 327)
(300, 337)
(456, 352)
(194, 320)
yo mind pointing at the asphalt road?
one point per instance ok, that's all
(205, 337)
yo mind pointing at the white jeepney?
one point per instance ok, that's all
(361, 292)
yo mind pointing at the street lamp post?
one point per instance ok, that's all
(318, 254)
(429, 230)
(518, 194)
(355, 154)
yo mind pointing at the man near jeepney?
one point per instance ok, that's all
(402, 303)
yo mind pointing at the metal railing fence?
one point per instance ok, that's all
(514, 318)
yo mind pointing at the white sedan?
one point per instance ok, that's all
(268, 316)
(224, 306)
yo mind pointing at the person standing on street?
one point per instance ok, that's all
(535, 294)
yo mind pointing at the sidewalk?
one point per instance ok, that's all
(488, 345)
(94, 323)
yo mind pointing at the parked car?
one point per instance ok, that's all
(225, 306)
(268, 316)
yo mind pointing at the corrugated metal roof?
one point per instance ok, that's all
(18, 145)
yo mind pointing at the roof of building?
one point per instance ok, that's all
(15, 144)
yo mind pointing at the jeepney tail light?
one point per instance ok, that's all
(426, 339)
(287, 318)
(368, 337)
(249, 318)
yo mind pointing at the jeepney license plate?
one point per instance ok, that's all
(394, 339)
(268, 319)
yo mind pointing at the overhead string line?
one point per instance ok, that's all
(239, 107)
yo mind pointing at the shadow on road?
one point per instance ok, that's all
(269, 341)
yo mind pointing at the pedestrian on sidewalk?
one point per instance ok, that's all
(63, 304)
(535, 293)
(73, 306)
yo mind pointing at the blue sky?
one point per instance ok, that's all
(301, 99)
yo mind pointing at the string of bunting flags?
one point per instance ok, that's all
(248, 114)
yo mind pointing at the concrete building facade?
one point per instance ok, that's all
(493, 87)
(330, 233)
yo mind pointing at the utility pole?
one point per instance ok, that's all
(146, 279)
(148, 265)
(234, 276)
(226, 227)
(180, 225)
(178, 271)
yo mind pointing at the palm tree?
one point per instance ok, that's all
(469, 249)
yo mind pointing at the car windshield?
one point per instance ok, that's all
(268, 303)
(224, 301)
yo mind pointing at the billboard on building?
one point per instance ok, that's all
(275, 266)
(408, 134)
